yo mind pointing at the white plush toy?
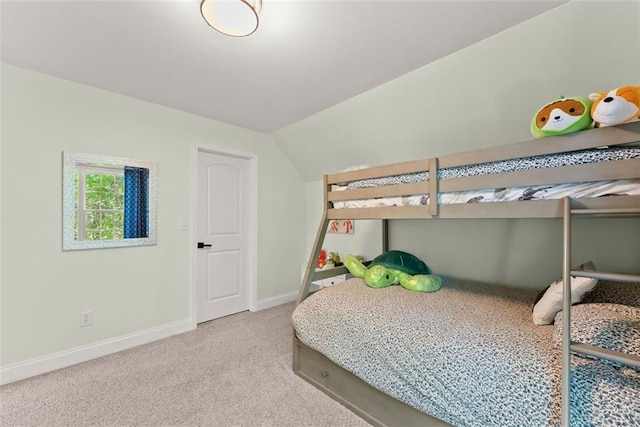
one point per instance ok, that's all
(621, 105)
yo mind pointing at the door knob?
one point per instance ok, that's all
(202, 245)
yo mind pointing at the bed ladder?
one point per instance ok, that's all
(569, 346)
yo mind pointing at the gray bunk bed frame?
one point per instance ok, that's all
(380, 409)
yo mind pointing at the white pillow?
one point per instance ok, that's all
(550, 303)
(355, 168)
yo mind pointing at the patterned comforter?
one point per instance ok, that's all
(468, 354)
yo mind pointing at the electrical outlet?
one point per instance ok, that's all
(86, 318)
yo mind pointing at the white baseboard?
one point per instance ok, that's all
(277, 300)
(63, 359)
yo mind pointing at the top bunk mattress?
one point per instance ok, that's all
(468, 354)
(553, 191)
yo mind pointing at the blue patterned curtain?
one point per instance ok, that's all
(136, 202)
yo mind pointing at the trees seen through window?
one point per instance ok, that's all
(100, 203)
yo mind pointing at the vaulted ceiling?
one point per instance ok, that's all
(306, 56)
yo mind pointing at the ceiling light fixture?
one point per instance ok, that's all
(236, 18)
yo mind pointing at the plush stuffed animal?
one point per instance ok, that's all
(621, 105)
(394, 267)
(322, 259)
(564, 115)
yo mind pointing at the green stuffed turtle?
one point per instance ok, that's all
(394, 267)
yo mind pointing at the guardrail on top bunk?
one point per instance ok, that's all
(429, 187)
(608, 136)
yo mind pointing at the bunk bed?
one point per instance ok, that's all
(384, 384)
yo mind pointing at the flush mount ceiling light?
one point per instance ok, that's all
(236, 18)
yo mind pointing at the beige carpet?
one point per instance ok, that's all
(234, 371)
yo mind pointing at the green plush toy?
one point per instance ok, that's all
(564, 115)
(394, 267)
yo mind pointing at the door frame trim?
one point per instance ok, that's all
(253, 223)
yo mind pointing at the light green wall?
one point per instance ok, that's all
(129, 289)
(523, 253)
(481, 96)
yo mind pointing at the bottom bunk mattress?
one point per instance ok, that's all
(468, 354)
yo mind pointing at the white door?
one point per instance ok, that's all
(223, 222)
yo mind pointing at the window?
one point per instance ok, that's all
(99, 202)
(108, 202)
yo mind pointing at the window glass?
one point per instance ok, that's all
(99, 208)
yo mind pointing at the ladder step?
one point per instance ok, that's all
(614, 356)
(617, 277)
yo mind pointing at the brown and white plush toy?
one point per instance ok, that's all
(618, 106)
(564, 115)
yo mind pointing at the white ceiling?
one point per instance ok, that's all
(305, 57)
